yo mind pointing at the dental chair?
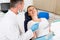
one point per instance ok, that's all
(41, 14)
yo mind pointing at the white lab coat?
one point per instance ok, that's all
(55, 27)
(9, 29)
(21, 19)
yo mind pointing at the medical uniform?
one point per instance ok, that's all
(21, 19)
(43, 27)
(9, 28)
(55, 27)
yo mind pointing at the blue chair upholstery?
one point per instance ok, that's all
(43, 15)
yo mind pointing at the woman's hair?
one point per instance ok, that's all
(27, 11)
(31, 6)
(27, 17)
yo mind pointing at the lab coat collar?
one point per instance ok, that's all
(11, 12)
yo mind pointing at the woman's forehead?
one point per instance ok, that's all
(31, 8)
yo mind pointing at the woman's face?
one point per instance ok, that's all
(32, 11)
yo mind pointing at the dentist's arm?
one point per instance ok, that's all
(26, 36)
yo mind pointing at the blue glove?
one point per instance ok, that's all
(35, 27)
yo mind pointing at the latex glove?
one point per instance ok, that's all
(35, 27)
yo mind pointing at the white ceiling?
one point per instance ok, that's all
(4, 1)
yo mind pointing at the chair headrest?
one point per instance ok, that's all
(43, 15)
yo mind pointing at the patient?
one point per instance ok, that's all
(43, 23)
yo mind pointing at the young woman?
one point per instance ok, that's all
(43, 23)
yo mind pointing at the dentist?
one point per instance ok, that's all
(9, 26)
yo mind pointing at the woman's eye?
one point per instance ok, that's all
(30, 10)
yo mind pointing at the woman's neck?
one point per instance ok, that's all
(36, 19)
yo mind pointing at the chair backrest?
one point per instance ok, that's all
(43, 15)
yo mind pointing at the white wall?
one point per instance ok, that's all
(4, 1)
(27, 3)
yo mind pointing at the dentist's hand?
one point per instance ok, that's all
(35, 27)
